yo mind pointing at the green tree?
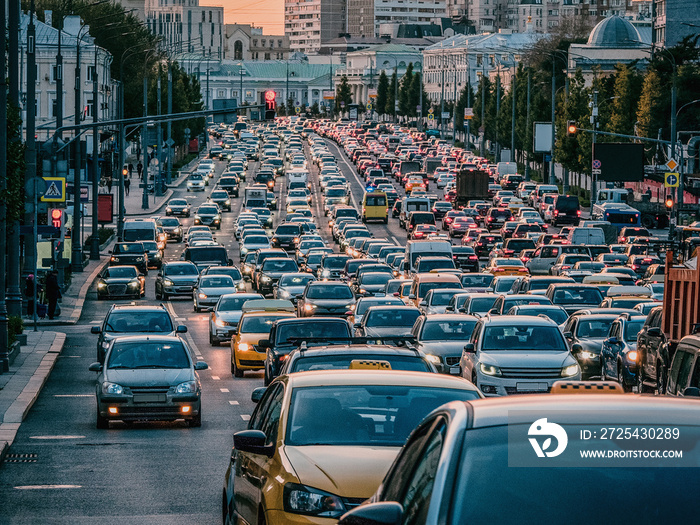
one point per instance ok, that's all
(405, 92)
(483, 96)
(650, 111)
(390, 98)
(574, 107)
(627, 88)
(343, 94)
(415, 95)
(382, 93)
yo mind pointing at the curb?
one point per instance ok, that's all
(30, 393)
(152, 211)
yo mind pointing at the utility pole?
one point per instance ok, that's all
(169, 125)
(594, 121)
(565, 178)
(483, 107)
(467, 142)
(674, 117)
(14, 291)
(396, 87)
(442, 97)
(95, 244)
(76, 233)
(498, 112)
(420, 101)
(454, 106)
(144, 138)
(122, 160)
(512, 117)
(552, 179)
(527, 126)
(159, 144)
(30, 143)
(4, 350)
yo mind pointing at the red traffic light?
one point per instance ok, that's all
(669, 202)
(270, 95)
(56, 215)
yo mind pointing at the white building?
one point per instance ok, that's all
(45, 88)
(247, 42)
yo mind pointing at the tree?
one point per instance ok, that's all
(569, 150)
(414, 95)
(627, 89)
(390, 98)
(405, 92)
(382, 93)
(650, 111)
(343, 95)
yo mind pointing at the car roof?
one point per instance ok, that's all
(508, 320)
(375, 377)
(450, 317)
(149, 338)
(357, 348)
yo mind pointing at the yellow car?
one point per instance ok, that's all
(319, 443)
(256, 321)
(414, 182)
(506, 266)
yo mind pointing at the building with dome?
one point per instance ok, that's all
(612, 41)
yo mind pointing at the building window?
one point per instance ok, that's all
(255, 42)
(89, 109)
(267, 56)
(90, 73)
(279, 43)
(238, 50)
(221, 93)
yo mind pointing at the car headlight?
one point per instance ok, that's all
(168, 210)
(632, 356)
(587, 355)
(326, 273)
(489, 370)
(228, 202)
(244, 250)
(188, 387)
(219, 323)
(139, 259)
(433, 359)
(202, 295)
(168, 282)
(569, 371)
(309, 307)
(114, 259)
(300, 499)
(244, 347)
(265, 279)
(102, 284)
(112, 388)
(134, 283)
(284, 293)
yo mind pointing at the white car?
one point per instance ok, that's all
(549, 213)
(443, 179)
(196, 182)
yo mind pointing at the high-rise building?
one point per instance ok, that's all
(408, 12)
(361, 18)
(185, 26)
(309, 23)
(674, 20)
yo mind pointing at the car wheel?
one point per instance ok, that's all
(641, 387)
(196, 421)
(660, 379)
(164, 296)
(602, 370)
(621, 379)
(235, 371)
(194, 308)
(213, 341)
(101, 422)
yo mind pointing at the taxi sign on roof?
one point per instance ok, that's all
(268, 305)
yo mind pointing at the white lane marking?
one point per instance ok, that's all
(396, 240)
(180, 319)
(354, 173)
(41, 487)
(95, 322)
(215, 378)
(233, 403)
(74, 395)
(57, 437)
(224, 390)
(194, 347)
(169, 307)
(245, 417)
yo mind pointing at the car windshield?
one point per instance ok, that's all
(295, 280)
(170, 222)
(147, 354)
(219, 195)
(279, 265)
(208, 255)
(593, 328)
(632, 328)
(476, 281)
(482, 304)
(287, 229)
(257, 239)
(577, 296)
(452, 330)
(235, 302)
(180, 269)
(376, 278)
(216, 281)
(363, 415)
(392, 317)
(336, 330)
(233, 272)
(135, 247)
(530, 338)
(440, 264)
(121, 273)
(207, 210)
(178, 202)
(442, 298)
(555, 314)
(139, 321)
(257, 324)
(342, 362)
(150, 245)
(329, 291)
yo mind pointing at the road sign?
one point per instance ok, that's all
(445, 114)
(297, 110)
(170, 143)
(431, 111)
(596, 171)
(372, 93)
(431, 116)
(468, 113)
(671, 179)
(328, 95)
(84, 193)
(369, 106)
(597, 164)
(418, 108)
(55, 190)
(671, 164)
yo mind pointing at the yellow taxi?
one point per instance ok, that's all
(506, 266)
(414, 182)
(319, 443)
(424, 282)
(255, 324)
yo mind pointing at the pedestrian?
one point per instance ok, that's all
(29, 293)
(109, 184)
(53, 292)
(131, 169)
(127, 184)
(139, 170)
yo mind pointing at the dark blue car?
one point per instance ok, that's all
(619, 353)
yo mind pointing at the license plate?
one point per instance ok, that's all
(150, 398)
(454, 370)
(531, 387)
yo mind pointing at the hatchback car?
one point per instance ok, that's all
(176, 278)
(126, 385)
(618, 356)
(326, 298)
(208, 290)
(178, 207)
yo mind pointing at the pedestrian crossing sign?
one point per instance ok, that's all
(55, 190)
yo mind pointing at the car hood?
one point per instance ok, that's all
(183, 279)
(442, 348)
(149, 376)
(251, 247)
(387, 331)
(293, 290)
(211, 292)
(230, 316)
(526, 359)
(350, 472)
(592, 345)
(329, 303)
(118, 280)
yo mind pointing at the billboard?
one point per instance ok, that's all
(542, 137)
(618, 161)
(225, 103)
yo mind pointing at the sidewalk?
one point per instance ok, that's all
(20, 387)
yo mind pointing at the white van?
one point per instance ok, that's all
(588, 236)
(140, 230)
(425, 248)
(298, 175)
(506, 168)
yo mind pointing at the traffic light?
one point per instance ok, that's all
(669, 202)
(125, 171)
(270, 104)
(57, 217)
(571, 128)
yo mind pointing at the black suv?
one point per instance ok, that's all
(278, 346)
(567, 210)
(654, 354)
(230, 184)
(130, 254)
(123, 320)
(287, 235)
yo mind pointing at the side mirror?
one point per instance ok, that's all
(264, 343)
(357, 325)
(257, 394)
(577, 348)
(95, 330)
(95, 367)
(253, 441)
(396, 294)
(691, 391)
(200, 365)
(654, 332)
(568, 335)
(613, 341)
(181, 329)
(381, 513)
(423, 303)
(469, 348)
(493, 311)
(230, 262)
(412, 296)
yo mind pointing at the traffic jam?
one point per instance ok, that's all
(428, 333)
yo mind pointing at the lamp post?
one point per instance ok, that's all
(681, 174)
(4, 350)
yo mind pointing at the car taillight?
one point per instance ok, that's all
(566, 267)
(522, 269)
(499, 270)
(635, 267)
(473, 258)
(578, 213)
(646, 260)
(489, 219)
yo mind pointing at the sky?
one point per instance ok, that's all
(268, 14)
